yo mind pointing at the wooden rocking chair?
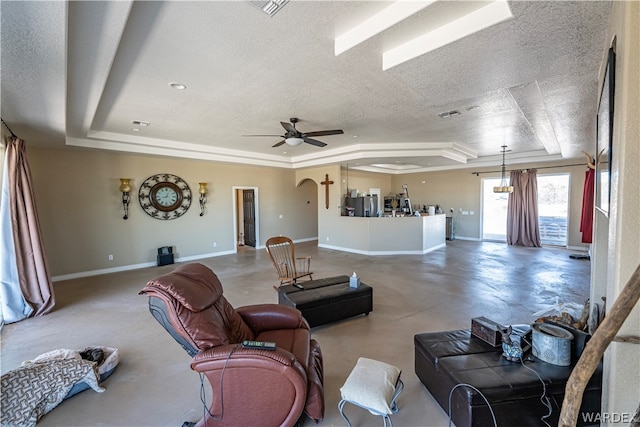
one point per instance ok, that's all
(288, 267)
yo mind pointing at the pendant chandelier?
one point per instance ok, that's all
(504, 183)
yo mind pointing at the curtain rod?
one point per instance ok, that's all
(542, 167)
(8, 128)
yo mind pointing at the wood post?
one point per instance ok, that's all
(595, 349)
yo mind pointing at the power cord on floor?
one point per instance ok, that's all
(495, 424)
(203, 396)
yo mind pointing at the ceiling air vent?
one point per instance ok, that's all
(140, 123)
(448, 114)
(270, 7)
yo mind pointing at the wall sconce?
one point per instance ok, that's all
(125, 188)
(203, 196)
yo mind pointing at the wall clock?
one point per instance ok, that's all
(164, 196)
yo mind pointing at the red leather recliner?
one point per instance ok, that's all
(249, 386)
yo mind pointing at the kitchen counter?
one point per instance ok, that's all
(386, 235)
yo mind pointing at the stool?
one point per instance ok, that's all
(374, 386)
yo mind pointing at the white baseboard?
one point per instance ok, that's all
(133, 266)
(101, 271)
(341, 249)
(308, 239)
(472, 239)
(377, 253)
(578, 248)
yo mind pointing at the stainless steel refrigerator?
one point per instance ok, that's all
(362, 206)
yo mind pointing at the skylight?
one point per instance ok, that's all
(480, 19)
(397, 12)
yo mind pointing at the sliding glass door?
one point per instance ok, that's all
(494, 211)
(553, 210)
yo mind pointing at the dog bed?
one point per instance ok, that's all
(39, 385)
(105, 369)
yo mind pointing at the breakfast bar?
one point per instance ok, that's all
(404, 235)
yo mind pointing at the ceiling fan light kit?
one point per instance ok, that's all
(294, 141)
(294, 137)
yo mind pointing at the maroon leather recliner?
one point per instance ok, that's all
(249, 386)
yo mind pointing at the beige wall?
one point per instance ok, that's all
(81, 211)
(326, 216)
(462, 190)
(363, 181)
(616, 251)
(454, 189)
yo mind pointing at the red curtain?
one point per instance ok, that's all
(586, 220)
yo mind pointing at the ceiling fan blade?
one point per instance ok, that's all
(314, 142)
(265, 135)
(324, 132)
(278, 144)
(289, 127)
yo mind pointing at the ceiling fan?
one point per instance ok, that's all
(294, 137)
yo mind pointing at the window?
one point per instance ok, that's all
(494, 211)
(553, 208)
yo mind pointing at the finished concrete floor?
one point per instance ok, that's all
(154, 386)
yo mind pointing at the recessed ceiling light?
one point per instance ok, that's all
(396, 12)
(355, 136)
(178, 86)
(135, 129)
(473, 107)
(480, 19)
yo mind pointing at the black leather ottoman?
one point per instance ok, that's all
(445, 359)
(327, 300)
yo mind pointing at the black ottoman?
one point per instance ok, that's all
(327, 300)
(445, 359)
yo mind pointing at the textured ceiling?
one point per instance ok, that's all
(79, 73)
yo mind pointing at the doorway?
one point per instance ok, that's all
(245, 216)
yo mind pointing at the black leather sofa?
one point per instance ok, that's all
(446, 359)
